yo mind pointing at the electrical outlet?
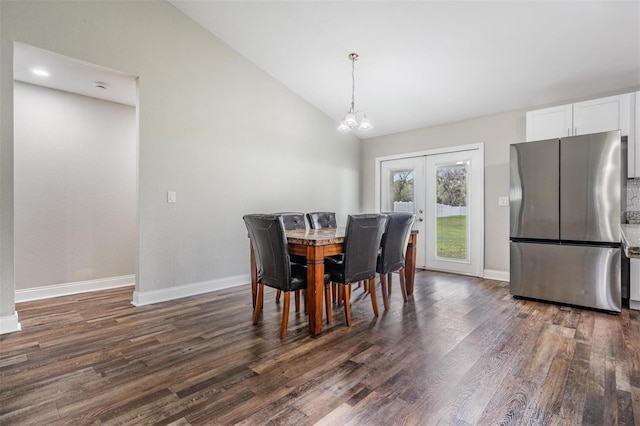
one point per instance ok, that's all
(171, 197)
(503, 201)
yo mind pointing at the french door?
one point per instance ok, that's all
(445, 190)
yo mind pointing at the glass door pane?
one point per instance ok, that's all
(452, 239)
(454, 212)
(402, 189)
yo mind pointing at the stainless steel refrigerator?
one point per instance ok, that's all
(565, 211)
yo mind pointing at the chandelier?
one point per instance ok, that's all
(350, 120)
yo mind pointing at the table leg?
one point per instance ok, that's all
(410, 263)
(315, 287)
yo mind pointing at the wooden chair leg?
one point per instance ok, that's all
(347, 304)
(390, 281)
(278, 292)
(328, 302)
(372, 292)
(403, 287)
(254, 293)
(297, 300)
(385, 295)
(285, 315)
(258, 308)
(334, 293)
(304, 300)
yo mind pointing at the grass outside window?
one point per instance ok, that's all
(452, 237)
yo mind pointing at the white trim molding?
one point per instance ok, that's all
(141, 298)
(66, 289)
(9, 324)
(494, 274)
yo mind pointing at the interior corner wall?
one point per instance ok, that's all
(75, 187)
(221, 133)
(7, 293)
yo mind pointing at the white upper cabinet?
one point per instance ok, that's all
(634, 150)
(549, 123)
(597, 115)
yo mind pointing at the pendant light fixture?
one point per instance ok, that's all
(350, 120)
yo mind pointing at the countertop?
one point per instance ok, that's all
(631, 239)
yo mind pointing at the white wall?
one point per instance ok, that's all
(224, 135)
(75, 187)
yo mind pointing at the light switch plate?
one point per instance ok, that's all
(171, 197)
(503, 201)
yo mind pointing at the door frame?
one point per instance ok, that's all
(480, 200)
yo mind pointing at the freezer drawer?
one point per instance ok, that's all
(577, 275)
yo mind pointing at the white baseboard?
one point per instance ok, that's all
(634, 304)
(141, 298)
(45, 292)
(494, 274)
(9, 324)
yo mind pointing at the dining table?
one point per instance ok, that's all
(315, 245)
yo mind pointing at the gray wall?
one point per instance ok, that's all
(224, 135)
(496, 132)
(75, 187)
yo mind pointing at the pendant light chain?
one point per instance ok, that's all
(353, 81)
(350, 121)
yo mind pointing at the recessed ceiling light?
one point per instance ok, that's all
(40, 72)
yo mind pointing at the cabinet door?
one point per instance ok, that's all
(549, 123)
(634, 140)
(604, 114)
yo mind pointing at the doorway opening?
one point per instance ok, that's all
(76, 175)
(444, 188)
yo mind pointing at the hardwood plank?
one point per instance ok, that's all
(461, 351)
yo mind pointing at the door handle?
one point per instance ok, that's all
(420, 219)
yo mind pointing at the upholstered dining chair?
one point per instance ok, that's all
(393, 248)
(291, 221)
(274, 266)
(319, 220)
(361, 244)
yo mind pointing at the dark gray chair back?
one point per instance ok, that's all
(394, 241)
(266, 232)
(292, 220)
(319, 220)
(361, 245)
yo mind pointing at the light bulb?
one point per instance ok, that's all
(365, 124)
(350, 120)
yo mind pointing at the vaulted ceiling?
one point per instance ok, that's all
(423, 63)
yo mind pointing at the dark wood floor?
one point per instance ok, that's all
(461, 351)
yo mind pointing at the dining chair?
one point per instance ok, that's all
(292, 221)
(274, 266)
(393, 248)
(361, 244)
(319, 220)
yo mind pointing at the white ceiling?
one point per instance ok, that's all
(424, 63)
(72, 75)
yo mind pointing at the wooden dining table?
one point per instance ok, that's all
(315, 245)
